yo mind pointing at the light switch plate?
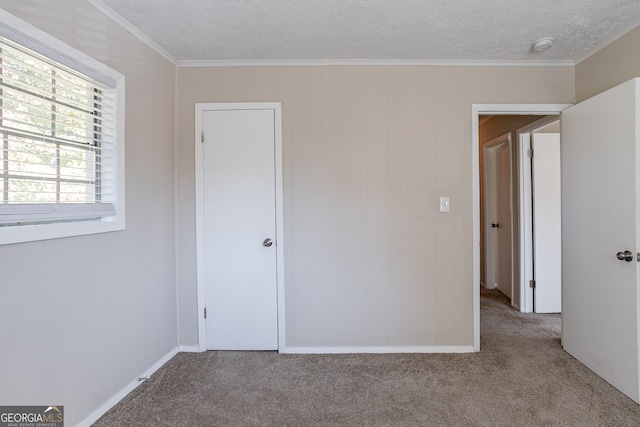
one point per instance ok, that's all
(444, 204)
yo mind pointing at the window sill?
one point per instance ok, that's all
(30, 233)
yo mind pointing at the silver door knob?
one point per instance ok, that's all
(267, 243)
(625, 256)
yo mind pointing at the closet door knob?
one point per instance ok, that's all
(625, 256)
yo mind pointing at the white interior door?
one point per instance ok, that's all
(504, 264)
(546, 222)
(239, 215)
(490, 238)
(498, 212)
(599, 219)
(525, 214)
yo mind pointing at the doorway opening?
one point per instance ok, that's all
(496, 201)
(520, 210)
(508, 119)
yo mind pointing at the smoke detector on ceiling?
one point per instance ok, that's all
(542, 44)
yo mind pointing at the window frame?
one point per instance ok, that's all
(25, 34)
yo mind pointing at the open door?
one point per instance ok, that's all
(546, 185)
(539, 216)
(498, 214)
(600, 235)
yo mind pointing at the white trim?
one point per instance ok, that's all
(526, 220)
(518, 109)
(111, 402)
(135, 31)
(608, 40)
(381, 349)
(369, 62)
(45, 44)
(24, 213)
(475, 233)
(280, 225)
(176, 209)
(476, 110)
(189, 349)
(199, 181)
(200, 275)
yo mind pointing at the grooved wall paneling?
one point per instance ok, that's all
(609, 67)
(368, 151)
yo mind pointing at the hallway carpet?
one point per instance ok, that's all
(521, 377)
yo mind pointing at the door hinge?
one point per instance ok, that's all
(530, 153)
(202, 136)
(532, 284)
(205, 312)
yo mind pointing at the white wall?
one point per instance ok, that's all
(368, 151)
(80, 318)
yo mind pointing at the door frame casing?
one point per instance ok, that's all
(476, 111)
(200, 108)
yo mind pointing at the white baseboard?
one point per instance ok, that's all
(380, 350)
(93, 417)
(484, 285)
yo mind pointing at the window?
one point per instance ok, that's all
(56, 128)
(61, 144)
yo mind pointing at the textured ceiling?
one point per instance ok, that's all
(227, 30)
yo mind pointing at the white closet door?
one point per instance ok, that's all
(239, 230)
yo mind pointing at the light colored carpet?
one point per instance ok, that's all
(521, 377)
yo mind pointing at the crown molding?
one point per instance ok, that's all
(118, 19)
(371, 62)
(124, 23)
(608, 40)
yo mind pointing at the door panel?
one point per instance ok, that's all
(498, 212)
(239, 214)
(504, 252)
(547, 223)
(490, 238)
(599, 219)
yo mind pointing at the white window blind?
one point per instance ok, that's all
(57, 141)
